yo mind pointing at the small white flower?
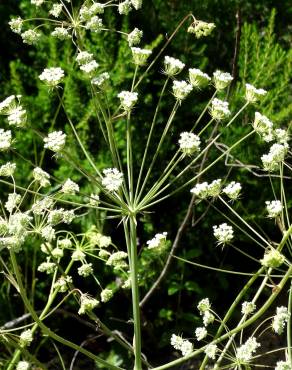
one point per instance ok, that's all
(30, 37)
(77, 255)
(41, 176)
(263, 126)
(12, 201)
(47, 267)
(85, 270)
(189, 143)
(201, 28)
(280, 319)
(135, 37)
(61, 33)
(201, 190)
(245, 352)
(247, 308)
(211, 350)
(90, 68)
(219, 109)
(186, 348)
(112, 179)
(106, 295)
(274, 208)
(5, 139)
(158, 241)
(172, 66)
(276, 155)
(101, 80)
(180, 344)
(7, 169)
(104, 241)
(17, 117)
(84, 57)
(16, 25)
(26, 338)
(214, 189)
(137, 4)
(57, 253)
(48, 233)
(117, 260)
(23, 365)
(140, 56)
(204, 306)
(208, 318)
(97, 8)
(37, 2)
(8, 104)
(253, 94)
(232, 190)
(70, 187)
(94, 200)
(201, 333)
(281, 136)
(223, 233)
(87, 304)
(56, 10)
(41, 206)
(283, 365)
(221, 79)
(125, 7)
(128, 99)
(52, 76)
(55, 141)
(62, 283)
(272, 258)
(181, 89)
(198, 79)
(94, 24)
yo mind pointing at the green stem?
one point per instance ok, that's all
(135, 293)
(289, 326)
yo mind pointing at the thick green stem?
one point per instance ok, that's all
(135, 294)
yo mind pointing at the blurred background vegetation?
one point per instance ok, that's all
(261, 56)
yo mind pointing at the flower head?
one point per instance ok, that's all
(283, 365)
(135, 37)
(181, 89)
(56, 10)
(223, 233)
(245, 352)
(128, 99)
(219, 109)
(232, 190)
(172, 66)
(112, 179)
(280, 319)
(252, 94)
(55, 141)
(274, 208)
(26, 338)
(272, 258)
(221, 79)
(16, 25)
(30, 37)
(70, 187)
(5, 139)
(200, 28)
(247, 308)
(198, 79)
(106, 295)
(158, 241)
(125, 7)
(189, 143)
(201, 333)
(140, 56)
(87, 304)
(52, 76)
(41, 176)
(7, 169)
(23, 365)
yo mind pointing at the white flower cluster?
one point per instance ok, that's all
(87, 64)
(88, 15)
(280, 319)
(85, 270)
(200, 28)
(16, 25)
(52, 76)
(158, 241)
(172, 66)
(263, 126)
(25, 338)
(252, 94)
(205, 190)
(189, 143)
(276, 155)
(201, 333)
(5, 139)
(128, 99)
(126, 6)
(106, 295)
(47, 267)
(37, 2)
(62, 283)
(204, 308)
(94, 200)
(117, 260)
(245, 352)
(70, 187)
(55, 141)
(41, 176)
(247, 308)
(181, 89)
(219, 109)
(101, 81)
(15, 113)
(42, 206)
(272, 258)
(283, 365)
(56, 10)
(134, 37)
(274, 208)
(87, 304)
(221, 79)
(223, 233)
(12, 201)
(60, 215)
(112, 179)
(140, 56)
(23, 365)
(7, 169)
(181, 344)
(30, 37)
(198, 79)
(211, 350)
(232, 190)
(61, 33)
